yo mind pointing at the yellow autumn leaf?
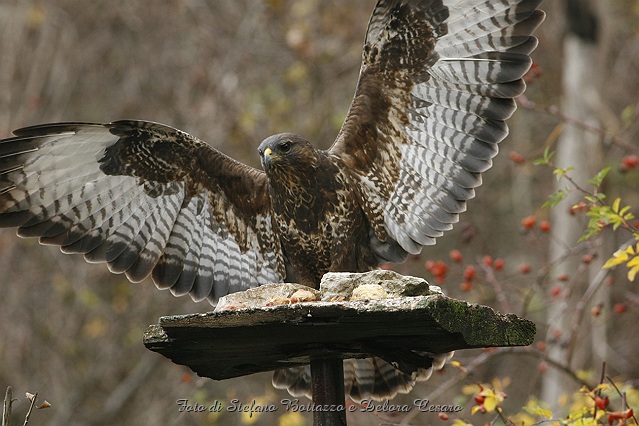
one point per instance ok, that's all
(633, 262)
(613, 261)
(624, 213)
(585, 375)
(599, 414)
(492, 399)
(469, 389)
(615, 205)
(523, 419)
(292, 418)
(460, 422)
(582, 412)
(500, 384)
(619, 257)
(602, 387)
(249, 418)
(534, 408)
(475, 408)
(459, 365)
(632, 273)
(490, 403)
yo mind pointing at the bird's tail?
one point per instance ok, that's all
(367, 378)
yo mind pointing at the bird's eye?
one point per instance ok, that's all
(285, 146)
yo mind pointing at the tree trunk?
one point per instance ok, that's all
(577, 339)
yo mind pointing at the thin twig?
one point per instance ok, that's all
(554, 111)
(624, 402)
(6, 409)
(468, 370)
(122, 393)
(577, 318)
(601, 380)
(506, 420)
(33, 398)
(497, 287)
(545, 271)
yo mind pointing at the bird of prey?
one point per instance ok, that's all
(437, 81)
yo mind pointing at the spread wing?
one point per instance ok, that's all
(436, 85)
(146, 199)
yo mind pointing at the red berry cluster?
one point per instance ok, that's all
(528, 224)
(629, 162)
(438, 268)
(469, 273)
(517, 158)
(617, 418)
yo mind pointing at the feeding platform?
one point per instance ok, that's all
(392, 317)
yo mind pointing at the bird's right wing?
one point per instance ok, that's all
(146, 199)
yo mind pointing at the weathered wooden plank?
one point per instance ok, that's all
(233, 343)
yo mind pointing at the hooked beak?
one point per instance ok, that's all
(267, 156)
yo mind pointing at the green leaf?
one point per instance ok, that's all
(597, 180)
(595, 198)
(559, 173)
(545, 160)
(555, 198)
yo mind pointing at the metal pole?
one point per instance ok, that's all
(327, 381)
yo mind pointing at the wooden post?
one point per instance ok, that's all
(329, 401)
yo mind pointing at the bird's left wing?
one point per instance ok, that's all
(146, 199)
(436, 85)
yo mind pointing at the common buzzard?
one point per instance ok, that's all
(436, 84)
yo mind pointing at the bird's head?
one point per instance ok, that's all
(286, 150)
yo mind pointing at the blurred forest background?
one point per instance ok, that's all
(232, 72)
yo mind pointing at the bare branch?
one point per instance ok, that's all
(560, 115)
(6, 409)
(32, 398)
